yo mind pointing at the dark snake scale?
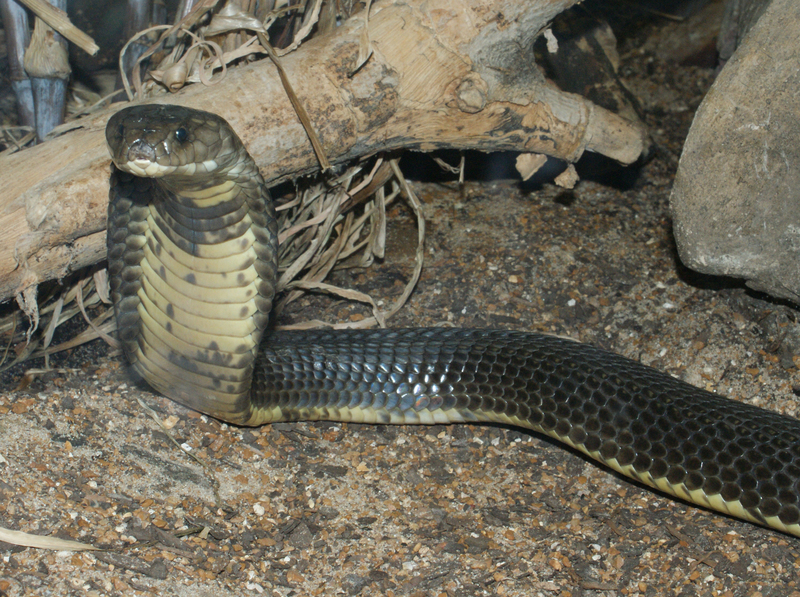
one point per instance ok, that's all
(192, 245)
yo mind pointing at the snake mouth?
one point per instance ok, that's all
(141, 159)
(146, 168)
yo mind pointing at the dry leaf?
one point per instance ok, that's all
(41, 541)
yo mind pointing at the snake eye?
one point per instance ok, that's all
(181, 135)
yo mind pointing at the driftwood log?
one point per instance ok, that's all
(443, 74)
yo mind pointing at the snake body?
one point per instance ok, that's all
(192, 245)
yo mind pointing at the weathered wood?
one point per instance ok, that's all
(444, 73)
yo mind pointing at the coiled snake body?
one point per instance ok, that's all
(192, 245)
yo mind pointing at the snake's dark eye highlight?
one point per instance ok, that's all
(181, 135)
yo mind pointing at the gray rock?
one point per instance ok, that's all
(736, 198)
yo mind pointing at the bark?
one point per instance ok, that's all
(444, 73)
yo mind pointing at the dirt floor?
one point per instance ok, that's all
(344, 509)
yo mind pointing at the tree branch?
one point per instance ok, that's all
(444, 74)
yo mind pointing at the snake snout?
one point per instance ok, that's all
(141, 151)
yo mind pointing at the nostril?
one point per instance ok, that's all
(141, 150)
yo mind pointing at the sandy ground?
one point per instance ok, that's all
(310, 509)
(325, 509)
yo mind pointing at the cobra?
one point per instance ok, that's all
(192, 246)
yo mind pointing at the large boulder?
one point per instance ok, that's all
(736, 198)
